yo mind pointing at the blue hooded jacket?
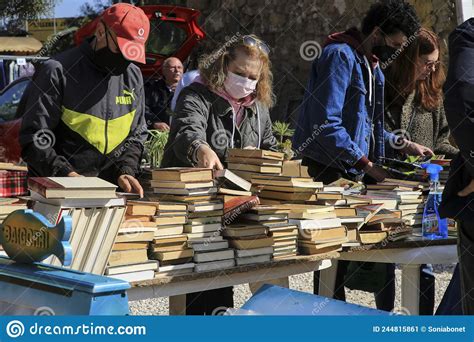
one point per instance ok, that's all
(341, 119)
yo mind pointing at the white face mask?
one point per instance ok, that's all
(238, 86)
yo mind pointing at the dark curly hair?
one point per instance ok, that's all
(391, 16)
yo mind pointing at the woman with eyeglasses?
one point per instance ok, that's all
(414, 105)
(414, 108)
(226, 106)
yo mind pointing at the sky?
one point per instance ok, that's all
(69, 8)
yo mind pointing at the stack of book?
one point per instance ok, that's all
(335, 193)
(204, 224)
(381, 224)
(252, 243)
(318, 236)
(169, 244)
(247, 162)
(408, 197)
(96, 214)
(275, 219)
(129, 258)
(376, 231)
(283, 189)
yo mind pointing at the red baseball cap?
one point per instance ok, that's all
(132, 27)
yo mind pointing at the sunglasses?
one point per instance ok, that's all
(251, 41)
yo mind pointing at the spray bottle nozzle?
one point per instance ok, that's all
(433, 170)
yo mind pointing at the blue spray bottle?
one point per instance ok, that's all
(434, 227)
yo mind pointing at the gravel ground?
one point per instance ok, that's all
(304, 282)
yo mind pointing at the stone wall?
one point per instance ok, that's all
(295, 30)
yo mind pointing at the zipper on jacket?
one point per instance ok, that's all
(106, 132)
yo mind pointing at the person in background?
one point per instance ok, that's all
(414, 107)
(159, 93)
(458, 195)
(414, 96)
(227, 106)
(188, 78)
(84, 113)
(340, 131)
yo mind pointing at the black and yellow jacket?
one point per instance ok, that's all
(77, 117)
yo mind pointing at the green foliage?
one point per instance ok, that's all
(13, 13)
(282, 130)
(155, 146)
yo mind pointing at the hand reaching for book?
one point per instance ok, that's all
(207, 158)
(130, 184)
(414, 149)
(376, 172)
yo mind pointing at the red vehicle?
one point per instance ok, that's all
(174, 32)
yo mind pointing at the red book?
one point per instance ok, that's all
(237, 206)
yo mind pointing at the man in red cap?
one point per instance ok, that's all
(83, 113)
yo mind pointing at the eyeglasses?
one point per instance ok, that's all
(432, 64)
(251, 41)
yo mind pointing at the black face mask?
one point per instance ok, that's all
(384, 53)
(111, 62)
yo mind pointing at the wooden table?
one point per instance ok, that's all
(410, 253)
(177, 287)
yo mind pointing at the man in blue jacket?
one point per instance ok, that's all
(458, 196)
(340, 130)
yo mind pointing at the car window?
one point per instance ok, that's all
(165, 38)
(10, 99)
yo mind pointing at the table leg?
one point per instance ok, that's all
(410, 289)
(327, 280)
(177, 306)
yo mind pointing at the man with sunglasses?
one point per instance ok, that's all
(83, 113)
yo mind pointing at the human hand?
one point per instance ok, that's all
(207, 158)
(467, 190)
(130, 184)
(414, 149)
(161, 126)
(376, 172)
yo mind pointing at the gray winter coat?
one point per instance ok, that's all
(203, 117)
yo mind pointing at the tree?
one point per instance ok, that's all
(13, 13)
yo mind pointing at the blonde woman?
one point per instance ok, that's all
(226, 106)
